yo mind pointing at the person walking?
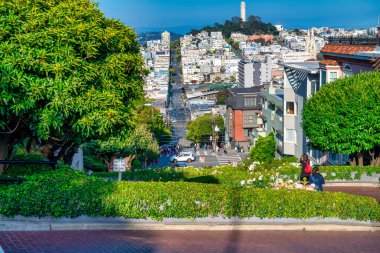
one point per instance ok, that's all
(306, 168)
(317, 179)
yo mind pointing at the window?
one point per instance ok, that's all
(347, 71)
(323, 77)
(249, 119)
(333, 76)
(290, 135)
(247, 132)
(314, 87)
(249, 101)
(290, 108)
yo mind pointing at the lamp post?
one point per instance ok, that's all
(215, 131)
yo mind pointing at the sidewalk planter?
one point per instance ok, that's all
(68, 193)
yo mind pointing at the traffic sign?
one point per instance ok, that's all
(119, 165)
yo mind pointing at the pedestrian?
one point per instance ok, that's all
(317, 179)
(225, 151)
(306, 168)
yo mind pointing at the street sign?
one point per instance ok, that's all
(119, 165)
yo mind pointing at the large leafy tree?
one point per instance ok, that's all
(344, 117)
(201, 128)
(67, 74)
(138, 144)
(264, 149)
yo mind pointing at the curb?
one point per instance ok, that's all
(200, 224)
(213, 227)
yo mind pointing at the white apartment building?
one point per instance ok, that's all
(296, 56)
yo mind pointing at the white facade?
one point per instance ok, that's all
(242, 11)
(165, 38)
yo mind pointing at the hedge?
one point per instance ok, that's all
(69, 193)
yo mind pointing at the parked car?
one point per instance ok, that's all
(183, 157)
(179, 165)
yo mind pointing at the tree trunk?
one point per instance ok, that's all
(360, 160)
(353, 158)
(4, 147)
(375, 156)
(129, 160)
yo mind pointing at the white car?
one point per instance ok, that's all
(183, 157)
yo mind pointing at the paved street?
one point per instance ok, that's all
(190, 241)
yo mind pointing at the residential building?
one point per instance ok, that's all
(246, 74)
(255, 73)
(165, 39)
(300, 79)
(273, 118)
(344, 56)
(242, 115)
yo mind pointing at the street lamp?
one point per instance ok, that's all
(215, 131)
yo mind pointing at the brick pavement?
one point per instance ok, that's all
(190, 241)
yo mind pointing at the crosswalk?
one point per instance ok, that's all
(228, 159)
(223, 159)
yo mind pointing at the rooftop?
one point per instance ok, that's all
(347, 49)
(329, 63)
(311, 67)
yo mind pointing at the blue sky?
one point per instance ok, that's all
(290, 13)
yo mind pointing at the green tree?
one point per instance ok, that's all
(68, 74)
(344, 117)
(152, 118)
(138, 144)
(264, 150)
(201, 128)
(222, 96)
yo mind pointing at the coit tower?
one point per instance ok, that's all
(242, 11)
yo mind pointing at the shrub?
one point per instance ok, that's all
(69, 193)
(93, 163)
(15, 170)
(264, 150)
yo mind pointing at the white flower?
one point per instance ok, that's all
(249, 181)
(161, 207)
(290, 181)
(261, 177)
(197, 202)
(242, 182)
(254, 179)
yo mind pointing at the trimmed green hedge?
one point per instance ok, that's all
(17, 170)
(68, 193)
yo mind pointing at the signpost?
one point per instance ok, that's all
(119, 165)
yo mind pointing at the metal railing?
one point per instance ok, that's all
(16, 179)
(351, 40)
